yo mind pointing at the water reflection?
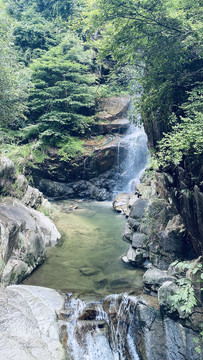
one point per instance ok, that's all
(89, 258)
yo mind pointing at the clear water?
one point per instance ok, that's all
(89, 258)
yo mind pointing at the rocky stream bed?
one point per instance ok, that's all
(42, 323)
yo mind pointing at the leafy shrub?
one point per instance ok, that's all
(186, 137)
(70, 149)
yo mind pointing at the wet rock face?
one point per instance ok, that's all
(25, 233)
(98, 169)
(126, 327)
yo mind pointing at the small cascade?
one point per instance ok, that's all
(131, 166)
(101, 330)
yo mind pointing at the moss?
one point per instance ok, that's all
(71, 149)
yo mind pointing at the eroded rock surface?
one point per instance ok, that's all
(154, 230)
(29, 326)
(25, 233)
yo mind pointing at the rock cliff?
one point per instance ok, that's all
(93, 174)
(160, 242)
(25, 232)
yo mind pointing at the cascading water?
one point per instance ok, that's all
(101, 330)
(132, 164)
(105, 330)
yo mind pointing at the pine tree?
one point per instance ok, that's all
(64, 94)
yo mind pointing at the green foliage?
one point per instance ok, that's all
(20, 155)
(63, 92)
(184, 299)
(34, 32)
(186, 137)
(162, 42)
(70, 149)
(50, 9)
(34, 35)
(14, 78)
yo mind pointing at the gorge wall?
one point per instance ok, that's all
(164, 224)
(183, 187)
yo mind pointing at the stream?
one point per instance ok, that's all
(88, 259)
(101, 290)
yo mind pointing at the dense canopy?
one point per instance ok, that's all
(46, 57)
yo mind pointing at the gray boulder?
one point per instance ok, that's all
(33, 197)
(25, 233)
(127, 234)
(154, 278)
(138, 208)
(15, 185)
(139, 240)
(159, 337)
(120, 203)
(29, 326)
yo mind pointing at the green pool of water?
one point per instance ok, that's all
(88, 260)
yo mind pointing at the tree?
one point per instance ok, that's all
(49, 9)
(37, 27)
(63, 93)
(14, 79)
(186, 137)
(162, 42)
(34, 35)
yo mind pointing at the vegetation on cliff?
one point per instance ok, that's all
(49, 79)
(48, 70)
(162, 41)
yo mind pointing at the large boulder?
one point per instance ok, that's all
(154, 278)
(138, 209)
(29, 326)
(113, 108)
(25, 233)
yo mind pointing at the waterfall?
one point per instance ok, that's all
(101, 330)
(131, 166)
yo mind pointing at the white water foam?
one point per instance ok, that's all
(107, 335)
